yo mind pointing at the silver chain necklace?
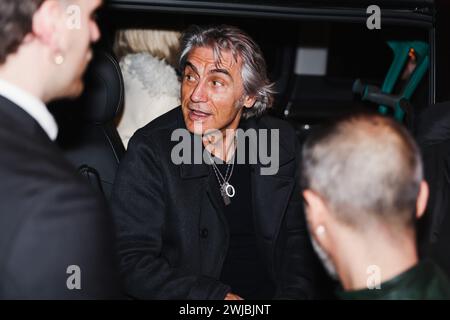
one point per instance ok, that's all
(227, 190)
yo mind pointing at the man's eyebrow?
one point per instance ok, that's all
(189, 64)
(218, 70)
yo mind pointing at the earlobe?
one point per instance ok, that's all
(422, 199)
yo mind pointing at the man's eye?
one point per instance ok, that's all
(217, 83)
(189, 78)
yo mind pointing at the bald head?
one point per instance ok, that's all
(366, 168)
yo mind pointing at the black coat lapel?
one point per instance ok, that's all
(271, 196)
(271, 193)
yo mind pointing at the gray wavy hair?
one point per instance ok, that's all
(254, 71)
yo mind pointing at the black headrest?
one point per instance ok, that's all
(103, 95)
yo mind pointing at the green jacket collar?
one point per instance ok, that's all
(423, 281)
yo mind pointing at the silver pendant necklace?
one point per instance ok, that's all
(227, 190)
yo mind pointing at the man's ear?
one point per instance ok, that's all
(249, 102)
(315, 209)
(47, 23)
(422, 199)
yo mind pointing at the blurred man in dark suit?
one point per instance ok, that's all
(54, 233)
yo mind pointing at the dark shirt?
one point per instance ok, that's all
(243, 269)
(425, 281)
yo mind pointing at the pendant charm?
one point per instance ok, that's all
(226, 199)
(229, 189)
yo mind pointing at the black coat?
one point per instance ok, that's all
(49, 219)
(433, 135)
(172, 234)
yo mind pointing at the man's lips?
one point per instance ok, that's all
(197, 115)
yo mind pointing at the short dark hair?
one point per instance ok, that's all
(15, 23)
(366, 168)
(254, 70)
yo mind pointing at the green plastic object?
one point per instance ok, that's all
(401, 51)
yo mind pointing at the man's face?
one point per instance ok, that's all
(212, 95)
(81, 31)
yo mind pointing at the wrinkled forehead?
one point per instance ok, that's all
(215, 57)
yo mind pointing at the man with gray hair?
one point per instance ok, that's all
(363, 190)
(218, 229)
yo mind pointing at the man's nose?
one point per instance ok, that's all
(200, 93)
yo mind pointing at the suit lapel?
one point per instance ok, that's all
(271, 196)
(270, 193)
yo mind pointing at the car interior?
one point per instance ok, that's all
(323, 59)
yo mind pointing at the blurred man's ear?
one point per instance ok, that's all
(422, 199)
(318, 218)
(315, 209)
(46, 22)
